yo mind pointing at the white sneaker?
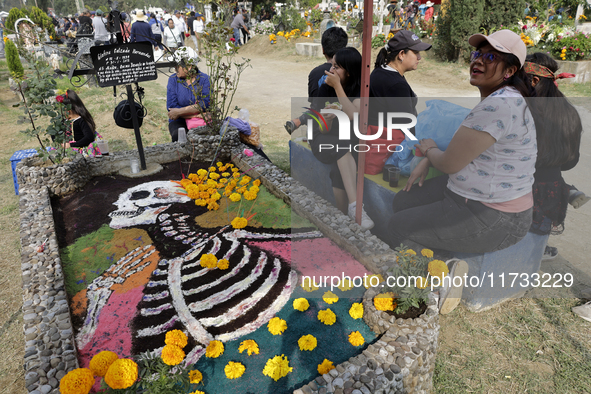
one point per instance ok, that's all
(583, 311)
(450, 295)
(366, 222)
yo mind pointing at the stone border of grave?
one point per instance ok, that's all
(403, 357)
(50, 347)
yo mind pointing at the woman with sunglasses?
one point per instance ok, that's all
(187, 93)
(485, 202)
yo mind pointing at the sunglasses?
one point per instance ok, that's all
(487, 58)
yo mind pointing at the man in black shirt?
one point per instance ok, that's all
(85, 23)
(333, 39)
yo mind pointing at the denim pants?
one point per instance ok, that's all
(435, 217)
(237, 36)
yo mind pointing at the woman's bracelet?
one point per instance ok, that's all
(428, 149)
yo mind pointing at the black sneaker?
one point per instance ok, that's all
(550, 253)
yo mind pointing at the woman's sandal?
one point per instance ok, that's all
(450, 295)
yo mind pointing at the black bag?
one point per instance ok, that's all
(122, 114)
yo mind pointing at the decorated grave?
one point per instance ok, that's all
(182, 250)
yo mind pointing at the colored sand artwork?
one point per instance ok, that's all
(145, 256)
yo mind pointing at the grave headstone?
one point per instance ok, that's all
(123, 64)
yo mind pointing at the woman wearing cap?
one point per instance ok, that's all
(485, 202)
(399, 56)
(187, 93)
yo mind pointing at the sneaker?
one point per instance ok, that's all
(450, 295)
(290, 126)
(583, 311)
(550, 253)
(366, 222)
(577, 198)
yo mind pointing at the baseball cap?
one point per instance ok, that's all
(406, 39)
(504, 41)
(99, 12)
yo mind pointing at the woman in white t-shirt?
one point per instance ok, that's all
(171, 36)
(198, 29)
(485, 202)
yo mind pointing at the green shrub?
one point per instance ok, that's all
(13, 60)
(576, 47)
(14, 15)
(378, 41)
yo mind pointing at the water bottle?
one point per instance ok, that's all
(182, 135)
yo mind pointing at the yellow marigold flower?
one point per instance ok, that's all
(223, 181)
(345, 285)
(368, 283)
(216, 196)
(234, 370)
(212, 169)
(325, 367)
(236, 173)
(193, 194)
(250, 346)
(208, 261)
(301, 304)
(201, 172)
(195, 376)
(211, 183)
(356, 339)
(422, 282)
(245, 180)
(276, 326)
(223, 264)
(235, 197)
(356, 310)
(198, 391)
(213, 206)
(330, 298)
(277, 367)
(193, 177)
(219, 164)
(438, 268)
(427, 252)
(384, 302)
(172, 355)
(307, 342)
(214, 175)
(78, 381)
(214, 349)
(327, 317)
(241, 189)
(239, 222)
(254, 188)
(309, 287)
(225, 174)
(409, 252)
(249, 195)
(234, 169)
(101, 362)
(200, 202)
(257, 183)
(121, 374)
(186, 182)
(176, 338)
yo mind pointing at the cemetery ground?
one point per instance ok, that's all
(533, 345)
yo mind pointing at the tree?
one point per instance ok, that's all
(501, 13)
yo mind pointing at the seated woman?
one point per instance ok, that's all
(343, 84)
(83, 126)
(187, 93)
(485, 203)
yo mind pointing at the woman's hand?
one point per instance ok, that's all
(425, 144)
(420, 172)
(174, 113)
(332, 80)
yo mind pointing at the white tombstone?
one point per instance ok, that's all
(208, 13)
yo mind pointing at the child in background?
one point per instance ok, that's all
(83, 126)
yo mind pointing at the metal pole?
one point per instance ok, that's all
(365, 72)
(136, 126)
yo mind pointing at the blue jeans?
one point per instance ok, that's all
(237, 36)
(435, 217)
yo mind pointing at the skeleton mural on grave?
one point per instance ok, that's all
(205, 303)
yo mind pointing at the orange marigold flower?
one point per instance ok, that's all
(176, 338)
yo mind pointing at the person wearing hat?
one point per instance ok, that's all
(429, 11)
(85, 22)
(101, 34)
(141, 30)
(387, 82)
(484, 203)
(187, 93)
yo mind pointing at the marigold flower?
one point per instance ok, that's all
(214, 349)
(201, 172)
(214, 175)
(276, 326)
(239, 222)
(345, 285)
(309, 287)
(176, 338)
(186, 182)
(236, 173)
(257, 183)
(212, 169)
(384, 301)
(195, 376)
(327, 317)
(250, 195)
(301, 304)
(330, 298)
(223, 264)
(216, 196)
(427, 252)
(219, 164)
(101, 362)
(422, 282)
(356, 339)
(208, 261)
(438, 268)
(245, 180)
(172, 355)
(250, 346)
(121, 374)
(213, 206)
(225, 174)
(409, 252)
(254, 188)
(307, 342)
(241, 189)
(198, 391)
(325, 367)
(235, 197)
(277, 367)
(356, 310)
(78, 381)
(223, 181)
(200, 202)
(369, 282)
(234, 370)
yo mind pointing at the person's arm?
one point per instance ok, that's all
(87, 136)
(464, 147)
(349, 107)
